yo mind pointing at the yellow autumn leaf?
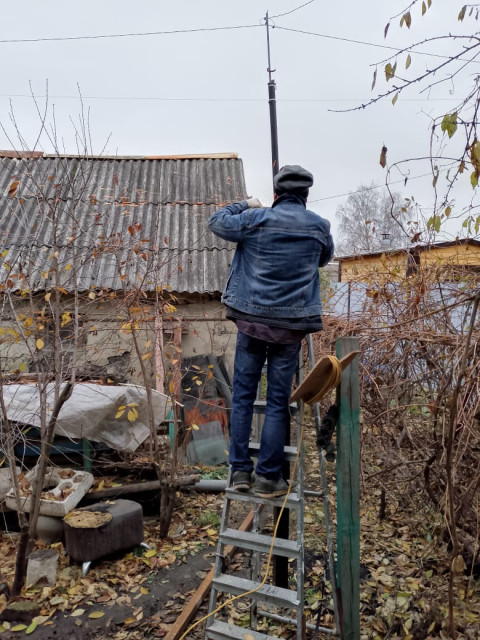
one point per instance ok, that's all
(144, 591)
(28, 322)
(147, 355)
(119, 413)
(19, 627)
(66, 318)
(171, 388)
(77, 612)
(31, 628)
(40, 344)
(132, 415)
(68, 267)
(96, 614)
(149, 554)
(195, 427)
(91, 295)
(211, 532)
(129, 620)
(48, 296)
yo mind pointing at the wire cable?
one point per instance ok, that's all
(129, 35)
(363, 42)
(287, 13)
(163, 99)
(372, 188)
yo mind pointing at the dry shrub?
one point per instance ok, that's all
(420, 401)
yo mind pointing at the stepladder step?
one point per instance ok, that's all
(289, 451)
(266, 593)
(262, 543)
(293, 501)
(223, 631)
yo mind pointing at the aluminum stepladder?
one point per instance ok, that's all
(283, 605)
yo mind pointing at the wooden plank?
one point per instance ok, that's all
(348, 492)
(200, 594)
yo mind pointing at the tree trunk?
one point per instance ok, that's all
(167, 502)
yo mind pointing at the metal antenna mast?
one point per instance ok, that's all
(280, 564)
(272, 103)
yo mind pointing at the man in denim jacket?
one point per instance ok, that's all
(273, 296)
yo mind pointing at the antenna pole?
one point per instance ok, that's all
(280, 564)
(272, 103)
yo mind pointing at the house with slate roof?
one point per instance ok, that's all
(124, 241)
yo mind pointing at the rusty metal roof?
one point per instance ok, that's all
(116, 222)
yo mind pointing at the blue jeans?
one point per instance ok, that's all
(282, 361)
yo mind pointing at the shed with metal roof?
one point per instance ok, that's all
(106, 227)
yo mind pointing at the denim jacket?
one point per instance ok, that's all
(274, 273)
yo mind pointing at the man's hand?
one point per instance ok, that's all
(254, 203)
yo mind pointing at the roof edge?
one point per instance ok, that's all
(227, 155)
(418, 247)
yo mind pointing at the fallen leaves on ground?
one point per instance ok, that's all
(122, 580)
(404, 569)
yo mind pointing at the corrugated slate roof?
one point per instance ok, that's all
(118, 221)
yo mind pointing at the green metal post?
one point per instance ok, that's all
(348, 491)
(171, 428)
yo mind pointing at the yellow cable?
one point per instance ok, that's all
(331, 382)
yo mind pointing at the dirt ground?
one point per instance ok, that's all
(136, 594)
(168, 590)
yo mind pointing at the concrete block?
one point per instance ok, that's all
(6, 481)
(49, 529)
(63, 490)
(42, 566)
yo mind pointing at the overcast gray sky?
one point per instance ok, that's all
(206, 91)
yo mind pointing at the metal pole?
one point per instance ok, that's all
(272, 103)
(280, 564)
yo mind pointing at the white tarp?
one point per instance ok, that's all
(90, 412)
